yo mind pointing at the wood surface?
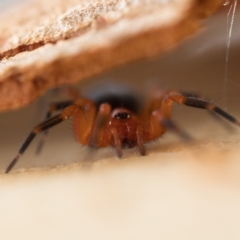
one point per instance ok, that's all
(60, 42)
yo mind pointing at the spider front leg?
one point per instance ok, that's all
(98, 137)
(159, 123)
(70, 92)
(117, 142)
(103, 134)
(66, 113)
(158, 113)
(53, 108)
(140, 141)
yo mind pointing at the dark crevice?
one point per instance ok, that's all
(30, 47)
(22, 48)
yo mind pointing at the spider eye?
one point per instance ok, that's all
(122, 115)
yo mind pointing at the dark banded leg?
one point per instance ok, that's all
(210, 106)
(199, 103)
(170, 125)
(67, 113)
(53, 107)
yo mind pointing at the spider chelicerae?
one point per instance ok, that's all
(120, 120)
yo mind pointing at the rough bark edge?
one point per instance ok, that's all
(20, 86)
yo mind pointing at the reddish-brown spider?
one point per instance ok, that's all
(116, 121)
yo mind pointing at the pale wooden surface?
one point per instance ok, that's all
(184, 194)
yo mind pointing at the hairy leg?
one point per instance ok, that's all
(117, 142)
(66, 113)
(157, 114)
(83, 120)
(193, 102)
(52, 108)
(98, 134)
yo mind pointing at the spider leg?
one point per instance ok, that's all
(157, 112)
(66, 113)
(98, 136)
(196, 103)
(117, 142)
(140, 140)
(68, 91)
(52, 108)
(83, 120)
(159, 123)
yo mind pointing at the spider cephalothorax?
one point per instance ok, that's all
(120, 121)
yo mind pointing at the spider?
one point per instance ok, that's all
(120, 120)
